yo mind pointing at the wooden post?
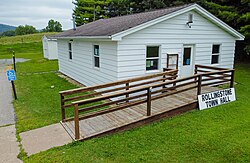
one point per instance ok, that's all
(77, 132)
(199, 85)
(14, 89)
(195, 69)
(62, 108)
(149, 101)
(164, 86)
(174, 78)
(232, 79)
(127, 88)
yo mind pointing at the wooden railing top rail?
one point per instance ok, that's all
(210, 67)
(83, 89)
(216, 72)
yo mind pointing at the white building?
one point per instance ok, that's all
(50, 48)
(135, 45)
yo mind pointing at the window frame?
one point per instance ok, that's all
(153, 58)
(96, 56)
(215, 54)
(70, 50)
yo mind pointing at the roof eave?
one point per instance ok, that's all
(83, 37)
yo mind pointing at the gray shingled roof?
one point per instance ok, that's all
(108, 27)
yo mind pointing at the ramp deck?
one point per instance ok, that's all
(136, 115)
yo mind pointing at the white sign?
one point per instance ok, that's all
(216, 98)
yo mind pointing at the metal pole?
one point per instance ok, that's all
(14, 89)
(14, 60)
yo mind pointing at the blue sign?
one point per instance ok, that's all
(11, 75)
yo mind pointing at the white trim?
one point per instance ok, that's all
(196, 7)
(84, 37)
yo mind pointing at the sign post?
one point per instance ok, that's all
(12, 77)
(14, 59)
(212, 99)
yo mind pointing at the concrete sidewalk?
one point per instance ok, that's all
(42, 139)
(8, 145)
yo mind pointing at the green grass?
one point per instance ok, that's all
(38, 104)
(219, 134)
(23, 38)
(25, 50)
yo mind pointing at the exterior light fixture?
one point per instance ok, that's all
(190, 20)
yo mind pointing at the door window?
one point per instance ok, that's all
(187, 56)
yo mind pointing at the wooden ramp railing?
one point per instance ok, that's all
(69, 96)
(214, 75)
(128, 93)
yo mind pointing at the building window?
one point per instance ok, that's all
(215, 54)
(152, 58)
(70, 50)
(96, 56)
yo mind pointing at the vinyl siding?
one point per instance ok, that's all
(81, 67)
(171, 35)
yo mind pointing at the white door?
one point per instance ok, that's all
(187, 61)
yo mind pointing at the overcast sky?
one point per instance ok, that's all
(36, 12)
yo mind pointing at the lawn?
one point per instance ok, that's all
(38, 102)
(220, 134)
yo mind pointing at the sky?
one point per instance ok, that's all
(36, 12)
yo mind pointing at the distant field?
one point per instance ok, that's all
(25, 46)
(23, 39)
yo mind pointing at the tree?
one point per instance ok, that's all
(8, 33)
(24, 30)
(53, 26)
(90, 10)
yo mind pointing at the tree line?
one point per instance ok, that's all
(53, 26)
(236, 13)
